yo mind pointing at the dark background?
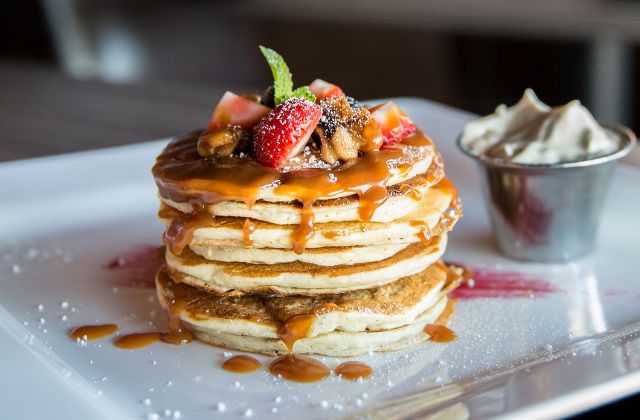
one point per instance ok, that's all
(470, 54)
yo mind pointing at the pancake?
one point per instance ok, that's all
(435, 213)
(401, 200)
(378, 319)
(234, 278)
(181, 173)
(347, 255)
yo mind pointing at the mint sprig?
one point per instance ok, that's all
(282, 79)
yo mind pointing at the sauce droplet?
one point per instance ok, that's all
(354, 370)
(295, 328)
(297, 368)
(93, 332)
(424, 233)
(439, 333)
(247, 233)
(178, 334)
(137, 341)
(241, 364)
(180, 231)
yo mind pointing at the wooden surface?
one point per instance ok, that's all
(43, 112)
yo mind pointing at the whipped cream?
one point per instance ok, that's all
(530, 132)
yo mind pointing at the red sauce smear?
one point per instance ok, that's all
(490, 283)
(137, 266)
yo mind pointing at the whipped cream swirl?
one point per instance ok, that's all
(531, 132)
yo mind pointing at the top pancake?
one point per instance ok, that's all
(183, 176)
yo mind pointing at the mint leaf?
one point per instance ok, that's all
(282, 79)
(303, 92)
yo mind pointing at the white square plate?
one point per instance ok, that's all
(566, 339)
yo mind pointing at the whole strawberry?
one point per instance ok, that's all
(284, 132)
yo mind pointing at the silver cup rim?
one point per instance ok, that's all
(628, 138)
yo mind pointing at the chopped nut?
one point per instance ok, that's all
(326, 150)
(372, 136)
(345, 144)
(222, 142)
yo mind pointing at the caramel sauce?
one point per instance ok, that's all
(301, 236)
(439, 333)
(436, 170)
(241, 364)
(370, 200)
(418, 139)
(354, 370)
(411, 191)
(93, 332)
(447, 187)
(424, 233)
(137, 341)
(293, 367)
(182, 175)
(247, 233)
(180, 231)
(298, 368)
(177, 333)
(456, 274)
(331, 235)
(295, 328)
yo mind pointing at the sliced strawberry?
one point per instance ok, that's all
(284, 132)
(322, 89)
(392, 122)
(234, 110)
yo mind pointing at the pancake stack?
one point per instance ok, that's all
(307, 256)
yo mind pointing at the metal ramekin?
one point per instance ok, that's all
(550, 212)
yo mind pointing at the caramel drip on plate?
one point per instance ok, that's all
(439, 333)
(241, 364)
(177, 334)
(182, 175)
(180, 231)
(294, 367)
(354, 370)
(247, 233)
(137, 341)
(93, 332)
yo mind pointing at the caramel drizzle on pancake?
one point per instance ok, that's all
(183, 176)
(180, 232)
(247, 233)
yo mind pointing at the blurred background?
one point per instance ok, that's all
(107, 72)
(83, 74)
